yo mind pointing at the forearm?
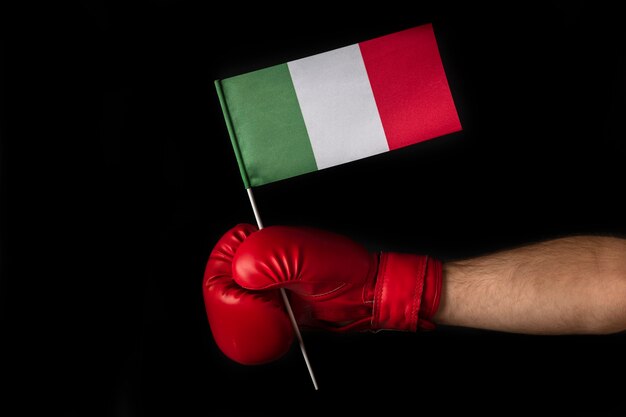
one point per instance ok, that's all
(574, 285)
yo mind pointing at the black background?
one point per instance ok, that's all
(117, 178)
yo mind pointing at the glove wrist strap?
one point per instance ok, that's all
(407, 292)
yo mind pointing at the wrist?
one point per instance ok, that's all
(445, 312)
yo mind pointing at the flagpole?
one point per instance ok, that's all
(292, 318)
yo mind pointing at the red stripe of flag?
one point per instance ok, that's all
(410, 86)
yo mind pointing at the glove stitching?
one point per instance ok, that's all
(419, 291)
(371, 280)
(379, 291)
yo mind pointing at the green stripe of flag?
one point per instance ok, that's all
(266, 125)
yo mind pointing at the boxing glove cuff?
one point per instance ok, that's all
(407, 292)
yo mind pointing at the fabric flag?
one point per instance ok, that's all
(338, 106)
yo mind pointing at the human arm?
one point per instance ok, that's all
(573, 285)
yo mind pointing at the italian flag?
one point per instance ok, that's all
(338, 106)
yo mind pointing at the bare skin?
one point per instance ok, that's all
(574, 285)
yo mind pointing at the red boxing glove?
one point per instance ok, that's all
(334, 283)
